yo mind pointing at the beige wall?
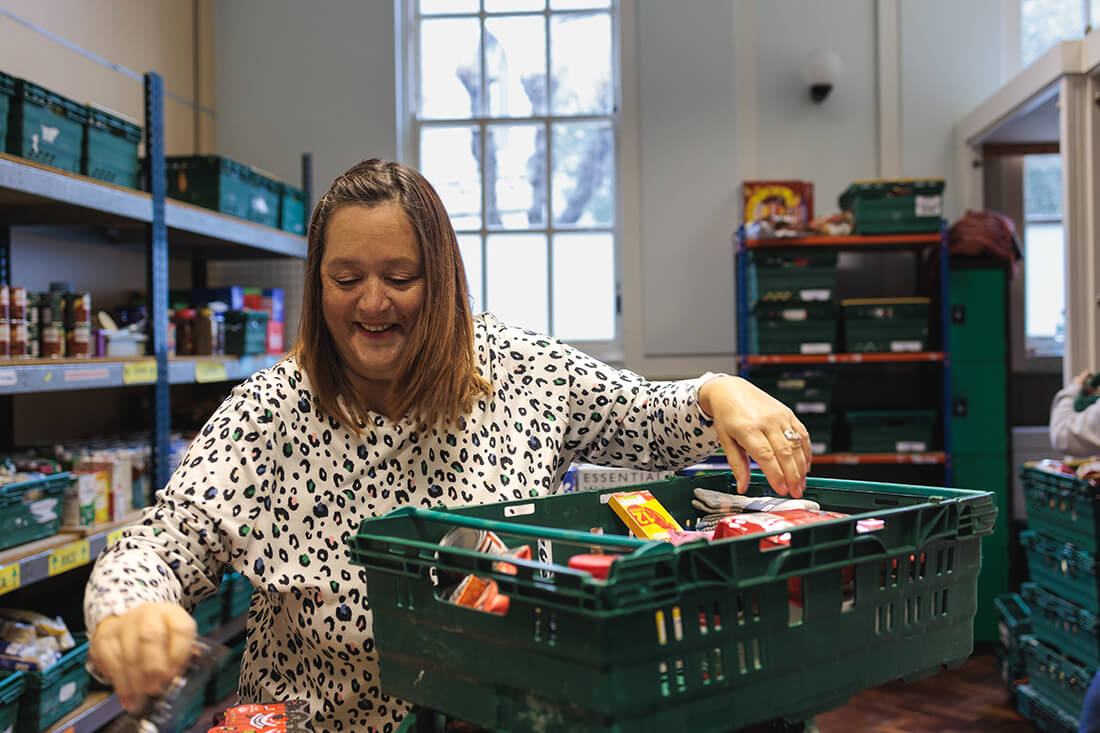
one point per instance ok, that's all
(141, 35)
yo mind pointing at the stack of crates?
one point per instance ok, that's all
(50, 694)
(1062, 653)
(791, 299)
(809, 393)
(890, 431)
(7, 91)
(885, 324)
(1013, 623)
(292, 210)
(224, 185)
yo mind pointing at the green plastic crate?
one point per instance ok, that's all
(111, 148)
(1013, 622)
(890, 431)
(802, 328)
(55, 692)
(46, 127)
(1063, 569)
(31, 510)
(245, 332)
(208, 614)
(266, 202)
(292, 210)
(807, 392)
(7, 90)
(1056, 677)
(226, 678)
(885, 324)
(701, 637)
(1046, 715)
(821, 432)
(11, 690)
(1064, 625)
(211, 181)
(780, 275)
(1062, 506)
(238, 595)
(902, 206)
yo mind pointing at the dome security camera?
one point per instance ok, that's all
(821, 70)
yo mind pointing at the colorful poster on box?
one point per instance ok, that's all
(765, 199)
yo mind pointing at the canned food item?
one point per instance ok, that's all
(53, 341)
(4, 309)
(78, 310)
(51, 308)
(18, 304)
(34, 340)
(5, 340)
(18, 340)
(478, 540)
(78, 341)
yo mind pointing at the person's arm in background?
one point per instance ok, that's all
(1071, 432)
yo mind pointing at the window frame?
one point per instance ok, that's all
(408, 126)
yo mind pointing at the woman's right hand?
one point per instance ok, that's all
(140, 651)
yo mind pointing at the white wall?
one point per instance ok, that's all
(296, 77)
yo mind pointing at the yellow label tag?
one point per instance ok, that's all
(210, 371)
(70, 556)
(139, 372)
(9, 578)
(113, 537)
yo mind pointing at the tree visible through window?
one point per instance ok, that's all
(514, 120)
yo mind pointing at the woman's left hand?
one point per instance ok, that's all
(753, 424)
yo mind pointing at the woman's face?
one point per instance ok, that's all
(372, 290)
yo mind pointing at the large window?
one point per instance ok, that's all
(1044, 23)
(1044, 256)
(512, 117)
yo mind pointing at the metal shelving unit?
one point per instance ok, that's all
(858, 243)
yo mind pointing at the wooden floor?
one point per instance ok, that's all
(968, 698)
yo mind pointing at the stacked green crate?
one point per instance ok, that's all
(902, 206)
(885, 324)
(111, 148)
(809, 393)
(30, 508)
(1013, 623)
(11, 689)
(781, 275)
(978, 304)
(890, 431)
(226, 678)
(208, 613)
(52, 693)
(46, 127)
(265, 203)
(793, 328)
(7, 90)
(292, 210)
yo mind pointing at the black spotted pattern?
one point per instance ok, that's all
(272, 487)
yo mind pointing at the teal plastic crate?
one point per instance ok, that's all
(237, 592)
(821, 432)
(226, 678)
(213, 182)
(7, 91)
(245, 332)
(1061, 568)
(1043, 713)
(51, 694)
(111, 148)
(704, 636)
(292, 210)
(208, 614)
(1013, 622)
(885, 324)
(781, 275)
(32, 509)
(890, 431)
(808, 392)
(1064, 625)
(266, 202)
(11, 690)
(899, 206)
(46, 127)
(1054, 676)
(793, 328)
(1060, 505)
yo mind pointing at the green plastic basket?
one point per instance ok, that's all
(212, 182)
(111, 148)
(55, 692)
(238, 595)
(7, 91)
(890, 431)
(885, 324)
(46, 127)
(700, 637)
(32, 509)
(793, 328)
(821, 432)
(1046, 715)
(903, 206)
(11, 690)
(292, 210)
(1056, 677)
(1070, 628)
(779, 275)
(1014, 621)
(208, 613)
(245, 332)
(807, 392)
(226, 678)
(1061, 568)
(1061, 506)
(266, 202)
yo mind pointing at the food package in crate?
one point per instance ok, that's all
(31, 641)
(790, 201)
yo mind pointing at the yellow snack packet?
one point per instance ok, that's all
(644, 515)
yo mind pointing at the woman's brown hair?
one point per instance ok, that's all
(437, 377)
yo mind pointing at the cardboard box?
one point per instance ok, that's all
(80, 498)
(101, 470)
(778, 198)
(588, 476)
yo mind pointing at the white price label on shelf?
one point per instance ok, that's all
(906, 346)
(8, 377)
(910, 446)
(815, 348)
(817, 408)
(929, 205)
